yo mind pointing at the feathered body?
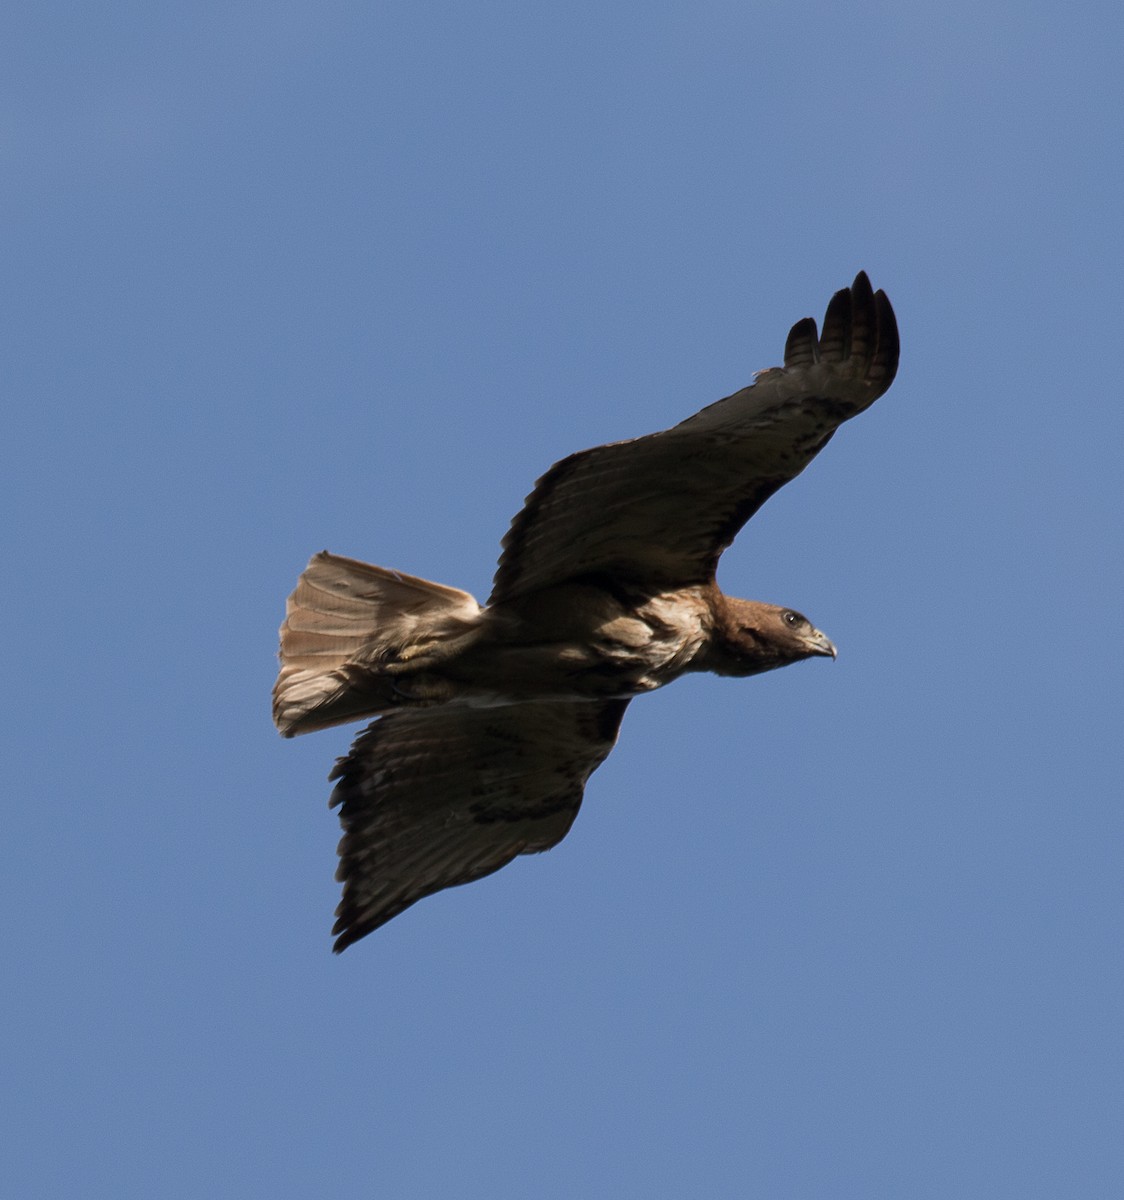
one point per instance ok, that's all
(358, 645)
(491, 718)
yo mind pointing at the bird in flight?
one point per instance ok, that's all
(490, 719)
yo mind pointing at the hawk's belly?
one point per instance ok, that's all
(597, 651)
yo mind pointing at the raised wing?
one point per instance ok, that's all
(431, 798)
(660, 510)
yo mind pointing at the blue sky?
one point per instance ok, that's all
(281, 277)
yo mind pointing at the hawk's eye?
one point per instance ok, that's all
(792, 619)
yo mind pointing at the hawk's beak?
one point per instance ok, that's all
(820, 643)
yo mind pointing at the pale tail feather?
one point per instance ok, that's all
(345, 624)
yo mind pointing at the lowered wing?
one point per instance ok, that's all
(432, 798)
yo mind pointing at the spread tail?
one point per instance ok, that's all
(349, 628)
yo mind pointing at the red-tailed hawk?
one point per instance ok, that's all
(491, 719)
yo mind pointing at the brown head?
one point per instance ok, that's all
(750, 637)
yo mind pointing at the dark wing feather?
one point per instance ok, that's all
(661, 509)
(431, 798)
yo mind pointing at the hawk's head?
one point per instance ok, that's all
(751, 637)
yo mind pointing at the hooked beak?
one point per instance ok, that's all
(820, 643)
